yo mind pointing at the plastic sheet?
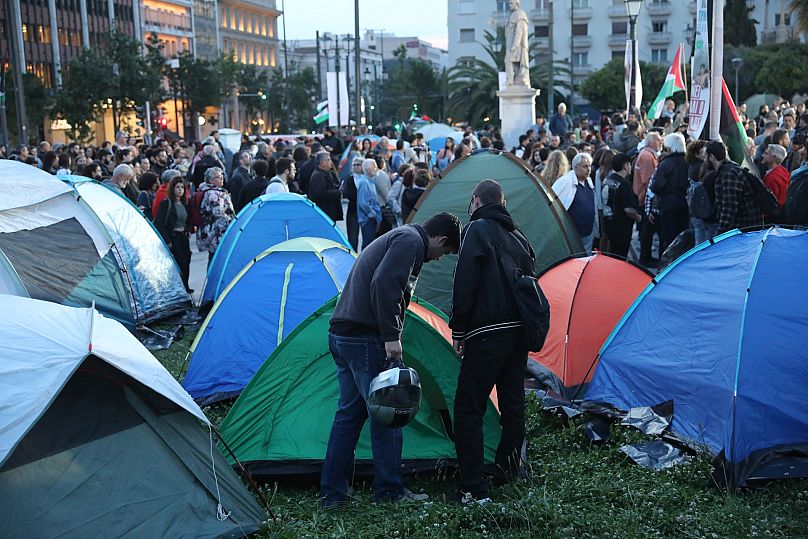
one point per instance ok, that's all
(656, 455)
(650, 420)
(161, 339)
(597, 430)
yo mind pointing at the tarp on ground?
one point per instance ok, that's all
(588, 296)
(98, 440)
(536, 210)
(281, 422)
(150, 267)
(264, 222)
(721, 332)
(266, 301)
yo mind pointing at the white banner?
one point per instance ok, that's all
(699, 76)
(632, 64)
(337, 98)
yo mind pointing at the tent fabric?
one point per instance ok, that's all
(281, 422)
(587, 296)
(57, 249)
(535, 208)
(152, 272)
(266, 221)
(435, 130)
(129, 462)
(721, 333)
(263, 304)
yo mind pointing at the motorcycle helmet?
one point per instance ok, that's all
(394, 397)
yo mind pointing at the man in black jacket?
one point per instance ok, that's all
(324, 187)
(307, 169)
(241, 175)
(489, 334)
(365, 331)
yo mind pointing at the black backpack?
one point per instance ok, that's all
(796, 208)
(534, 309)
(608, 195)
(699, 201)
(766, 200)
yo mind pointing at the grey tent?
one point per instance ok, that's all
(98, 440)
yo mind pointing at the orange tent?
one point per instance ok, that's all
(587, 296)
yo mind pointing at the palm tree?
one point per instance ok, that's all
(801, 8)
(473, 84)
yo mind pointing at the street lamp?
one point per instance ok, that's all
(366, 74)
(633, 11)
(737, 64)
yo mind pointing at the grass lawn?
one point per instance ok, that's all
(575, 489)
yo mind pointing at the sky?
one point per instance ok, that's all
(425, 19)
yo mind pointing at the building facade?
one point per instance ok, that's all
(387, 44)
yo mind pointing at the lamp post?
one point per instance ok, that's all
(367, 85)
(737, 64)
(335, 54)
(347, 42)
(633, 10)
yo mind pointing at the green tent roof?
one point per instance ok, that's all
(281, 422)
(536, 210)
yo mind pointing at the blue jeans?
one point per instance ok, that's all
(703, 231)
(359, 360)
(587, 241)
(368, 229)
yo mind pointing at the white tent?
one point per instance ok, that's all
(437, 130)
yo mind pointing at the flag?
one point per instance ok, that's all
(322, 112)
(673, 83)
(731, 129)
(632, 65)
(699, 76)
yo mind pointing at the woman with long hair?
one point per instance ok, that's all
(556, 166)
(445, 155)
(172, 223)
(147, 184)
(366, 150)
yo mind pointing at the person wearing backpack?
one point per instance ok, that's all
(489, 334)
(735, 202)
(670, 187)
(620, 206)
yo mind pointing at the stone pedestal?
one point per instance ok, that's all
(517, 110)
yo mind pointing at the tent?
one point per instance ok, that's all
(53, 247)
(535, 208)
(267, 220)
(98, 440)
(587, 296)
(276, 291)
(149, 266)
(281, 422)
(721, 332)
(435, 130)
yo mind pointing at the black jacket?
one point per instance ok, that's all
(166, 219)
(201, 166)
(379, 288)
(238, 180)
(482, 300)
(324, 191)
(304, 174)
(671, 182)
(349, 192)
(250, 191)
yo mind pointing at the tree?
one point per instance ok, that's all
(38, 103)
(412, 84)
(739, 27)
(251, 81)
(85, 87)
(781, 73)
(605, 88)
(800, 7)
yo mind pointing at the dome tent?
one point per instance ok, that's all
(721, 333)
(281, 422)
(587, 296)
(150, 267)
(96, 435)
(54, 248)
(263, 304)
(267, 220)
(536, 210)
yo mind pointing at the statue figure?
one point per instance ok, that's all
(517, 63)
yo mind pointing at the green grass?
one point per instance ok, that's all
(575, 489)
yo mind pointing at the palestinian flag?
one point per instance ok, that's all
(673, 83)
(732, 130)
(322, 112)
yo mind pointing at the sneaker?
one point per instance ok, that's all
(407, 496)
(468, 498)
(333, 505)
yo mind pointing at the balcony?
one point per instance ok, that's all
(500, 18)
(166, 20)
(658, 8)
(618, 11)
(582, 13)
(659, 38)
(541, 42)
(693, 7)
(583, 69)
(581, 42)
(618, 40)
(540, 14)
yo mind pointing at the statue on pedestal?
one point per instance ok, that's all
(517, 62)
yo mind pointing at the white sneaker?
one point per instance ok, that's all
(468, 498)
(408, 496)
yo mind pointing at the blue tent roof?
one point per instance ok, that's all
(263, 304)
(266, 221)
(722, 333)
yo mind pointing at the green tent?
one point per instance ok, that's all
(281, 422)
(535, 208)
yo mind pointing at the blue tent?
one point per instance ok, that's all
(262, 305)
(723, 333)
(267, 220)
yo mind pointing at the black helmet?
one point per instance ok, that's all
(394, 397)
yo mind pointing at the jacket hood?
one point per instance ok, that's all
(496, 212)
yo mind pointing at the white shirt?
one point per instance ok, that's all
(278, 186)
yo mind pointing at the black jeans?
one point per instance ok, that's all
(496, 359)
(619, 238)
(352, 227)
(672, 222)
(647, 231)
(181, 249)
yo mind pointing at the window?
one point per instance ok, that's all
(576, 4)
(659, 56)
(620, 28)
(659, 26)
(541, 31)
(466, 60)
(466, 35)
(786, 20)
(618, 54)
(580, 29)
(465, 7)
(580, 59)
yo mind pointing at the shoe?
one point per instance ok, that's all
(333, 505)
(468, 498)
(407, 496)
(189, 290)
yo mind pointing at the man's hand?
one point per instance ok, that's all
(393, 349)
(459, 347)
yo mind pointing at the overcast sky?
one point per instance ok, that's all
(425, 19)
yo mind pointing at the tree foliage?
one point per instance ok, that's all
(411, 82)
(770, 69)
(739, 26)
(605, 88)
(291, 101)
(38, 101)
(800, 8)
